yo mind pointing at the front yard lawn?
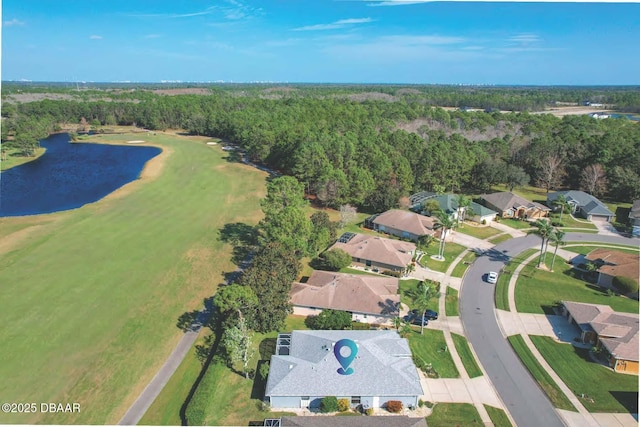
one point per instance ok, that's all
(571, 222)
(481, 232)
(607, 391)
(451, 251)
(516, 223)
(501, 238)
(537, 291)
(454, 414)
(469, 362)
(557, 397)
(430, 348)
(585, 249)
(406, 287)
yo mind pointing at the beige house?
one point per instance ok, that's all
(369, 299)
(612, 331)
(376, 252)
(509, 205)
(403, 224)
(614, 263)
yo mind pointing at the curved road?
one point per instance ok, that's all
(526, 402)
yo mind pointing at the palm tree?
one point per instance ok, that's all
(561, 202)
(463, 203)
(404, 329)
(422, 295)
(544, 230)
(445, 223)
(556, 239)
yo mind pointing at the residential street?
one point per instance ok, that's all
(526, 402)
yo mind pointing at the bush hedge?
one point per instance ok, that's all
(344, 405)
(394, 406)
(625, 285)
(329, 404)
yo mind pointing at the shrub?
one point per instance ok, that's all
(421, 403)
(394, 406)
(369, 411)
(557, 223)
(330, 319)
(344, 405)
(329, 404)
(336, 259)
(264, 371)
(484, 222)
(625, 285)
(391, 273)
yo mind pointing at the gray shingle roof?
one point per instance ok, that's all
(383, 366)
(506, 200)
(589, 204)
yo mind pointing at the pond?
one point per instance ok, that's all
(69, 175)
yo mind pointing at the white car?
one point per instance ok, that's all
(492, 277)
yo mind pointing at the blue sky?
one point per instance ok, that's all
(355, 41)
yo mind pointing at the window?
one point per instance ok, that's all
(355, 400)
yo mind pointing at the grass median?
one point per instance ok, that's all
(464, 351)
(454, 414)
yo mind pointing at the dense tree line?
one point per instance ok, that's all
(356, 151)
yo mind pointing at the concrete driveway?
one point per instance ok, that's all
(556, 327)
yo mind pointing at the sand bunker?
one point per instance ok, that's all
(135, 142)
(212, 143)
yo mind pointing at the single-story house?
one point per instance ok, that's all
(612, 263)
(403, 224)
(305, 369)
(612, 331)
(583, 204)
(395, 421)
(599, 115)
(369, 299)
(449, 204)
(634, 218)
(376, 252)
(509, 205)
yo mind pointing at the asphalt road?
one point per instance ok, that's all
(526, 402)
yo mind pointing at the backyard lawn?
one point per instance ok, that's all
(451, 302)
(606, 390)
(537, 291)
(558, 399)
(454, 414)
(451, 251)
(481, 232)
(469, 362)
(431, 348)
(224, 397)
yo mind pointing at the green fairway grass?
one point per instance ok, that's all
(89, 301)
(14, 159)
(607, 391)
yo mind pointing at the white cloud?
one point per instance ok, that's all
(342, 23)
(13, 22)
(525, 38)
(95, 37)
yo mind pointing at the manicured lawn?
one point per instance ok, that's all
(571, 222)
(584, 250)
(558, 399)
(501, 238)
(610, 391)
(430, 348)
(225, 398)
(451, 251)
(13, 159)
(498, 417)
(469, 362)
(94, 294)
(479, 232)
(461, 267)
(451, 302)
(537, 291)
(516, 223)
(502, 287)
(454, 414)
(409, 285)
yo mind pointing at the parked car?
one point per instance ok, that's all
(492, 277)
(429, 314)
(416, 321)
